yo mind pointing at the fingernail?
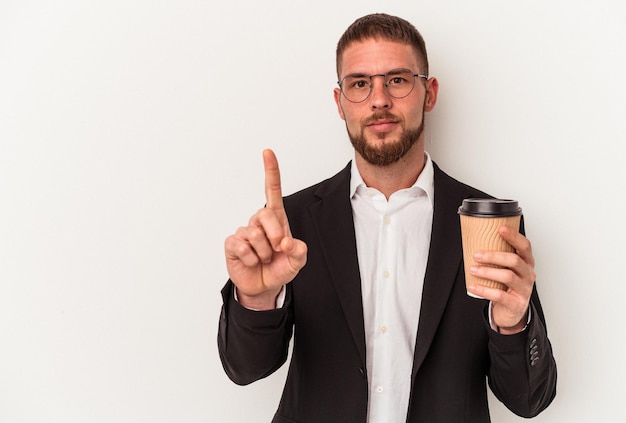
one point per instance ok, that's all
(473, 269)
(478, 256)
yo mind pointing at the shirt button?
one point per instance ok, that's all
(386, 274)
(379, 389)
(387, 220)
(383, 329)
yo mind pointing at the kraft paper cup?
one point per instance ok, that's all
(480, 220)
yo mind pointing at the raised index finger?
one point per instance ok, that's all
(273, 191)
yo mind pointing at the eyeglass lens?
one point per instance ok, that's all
(397, 83)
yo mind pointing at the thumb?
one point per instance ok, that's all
(296, 251)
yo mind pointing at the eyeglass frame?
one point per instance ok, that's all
(385, 85)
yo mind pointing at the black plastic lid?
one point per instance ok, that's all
(489, 207)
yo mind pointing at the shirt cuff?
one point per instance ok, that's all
(280, 299)
(495, 327)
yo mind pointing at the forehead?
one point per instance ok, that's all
(372, 56)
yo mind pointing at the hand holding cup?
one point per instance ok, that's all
(499, 264)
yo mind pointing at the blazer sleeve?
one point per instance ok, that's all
(523, 370)
(252, 344)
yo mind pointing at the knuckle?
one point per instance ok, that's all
(498, 295)
(525, 245)
(508, 278)
(265, 212)
(255, 233)
(243, 254)
(232, 242)
(241, 232)
(257, 217)
(516, 261)
(242, 249)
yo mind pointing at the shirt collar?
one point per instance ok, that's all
(425, 180)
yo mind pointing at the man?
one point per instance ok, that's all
(367, 267)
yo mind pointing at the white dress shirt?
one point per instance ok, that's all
(393, 239)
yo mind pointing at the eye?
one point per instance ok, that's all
(356, 83)
(398, 80)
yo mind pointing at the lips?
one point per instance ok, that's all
(382, 125)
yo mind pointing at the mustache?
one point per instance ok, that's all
(381, 116)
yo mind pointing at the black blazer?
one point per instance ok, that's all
(456, 351)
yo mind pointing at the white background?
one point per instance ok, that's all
(130, 146)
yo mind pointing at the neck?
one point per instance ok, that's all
(396, 176)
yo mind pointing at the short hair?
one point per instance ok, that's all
(386, 27)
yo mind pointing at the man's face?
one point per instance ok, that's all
(382, 128)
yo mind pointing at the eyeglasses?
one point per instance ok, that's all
(398, 83)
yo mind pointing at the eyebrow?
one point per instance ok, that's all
(395, 71)
(356, 75)
(399, 70)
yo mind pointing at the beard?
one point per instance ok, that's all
(388, 152)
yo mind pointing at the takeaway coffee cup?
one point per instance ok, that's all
(480, 220)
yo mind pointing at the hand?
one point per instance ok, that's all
(262, 257)
(510, 306)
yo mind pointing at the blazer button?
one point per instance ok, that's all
(534, 355)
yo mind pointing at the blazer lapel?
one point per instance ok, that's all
(444, 260)
(332, 215)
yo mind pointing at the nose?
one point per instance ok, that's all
(379, 99)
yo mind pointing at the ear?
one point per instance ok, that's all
(337, 95)
(432, 88)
